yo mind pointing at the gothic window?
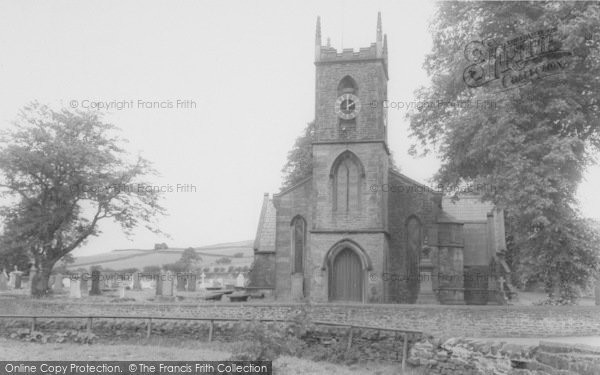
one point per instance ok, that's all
(348, 174)
(298, 243)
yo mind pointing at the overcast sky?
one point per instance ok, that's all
(247, 66)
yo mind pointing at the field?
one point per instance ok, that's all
(140, 258)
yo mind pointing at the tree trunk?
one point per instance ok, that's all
(39, 283)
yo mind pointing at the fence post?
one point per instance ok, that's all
(33, 324)
(210, 330)
(349, 338)
(404, 351)
(148, 327)
(89, 324)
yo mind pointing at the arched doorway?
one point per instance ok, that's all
(346, 277)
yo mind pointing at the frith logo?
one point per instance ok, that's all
(516, 62)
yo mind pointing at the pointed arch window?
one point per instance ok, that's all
(298, 243)
(347, 173)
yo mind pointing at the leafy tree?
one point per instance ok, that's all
(190, 257)
(224, 260)
(65, 172)
(12, 255)
(299, 163)
(238, 255)
(151, 270)
(176, 267)
(532, 145)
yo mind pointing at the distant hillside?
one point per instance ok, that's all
(140, 258)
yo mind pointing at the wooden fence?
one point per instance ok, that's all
(399, 331)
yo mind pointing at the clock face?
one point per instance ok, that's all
(347, 106)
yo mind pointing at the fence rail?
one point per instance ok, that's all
(351, 327)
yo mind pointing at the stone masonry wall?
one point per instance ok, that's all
(446, 321)
(459, 356)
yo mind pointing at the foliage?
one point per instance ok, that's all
(532, 145)
(223, 260)
(161, 246)
(265, 342)
(65, 172)
(238, 255)
(152, 270)
(299, 160)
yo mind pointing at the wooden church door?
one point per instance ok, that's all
(346, 277)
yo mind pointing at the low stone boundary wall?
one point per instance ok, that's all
(459, 356)
(441, 321)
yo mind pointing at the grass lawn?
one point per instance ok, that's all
(171, 350)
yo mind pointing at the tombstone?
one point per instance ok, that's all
(168, 284)
(15, 278)
(597, 292)
(57, 285)
(240, 281)
(180, 280)
(3, 281)
(191, 282)
(203, 284)
(159, 284)
(114, 282)
(137, 285)
(95, 283)
(122, 294)
(75, 288)
(83, 284)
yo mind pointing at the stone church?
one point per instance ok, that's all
(358, 231)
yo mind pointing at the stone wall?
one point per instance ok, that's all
(446, 321)
(458, 356)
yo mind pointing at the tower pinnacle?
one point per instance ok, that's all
(318, 32)
(379, 38)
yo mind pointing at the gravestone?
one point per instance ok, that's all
(57, 286)
(168, 284)
(122, 294)
(180, 280)
(83, 284)
(203, 284)
(15, 279)
(240, 281)
(137, 285)
(159, 284)
(75, 288)
(191, 282)
(95, 283)
(3, 281)
(597, 292)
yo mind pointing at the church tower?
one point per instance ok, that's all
(350, 166)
